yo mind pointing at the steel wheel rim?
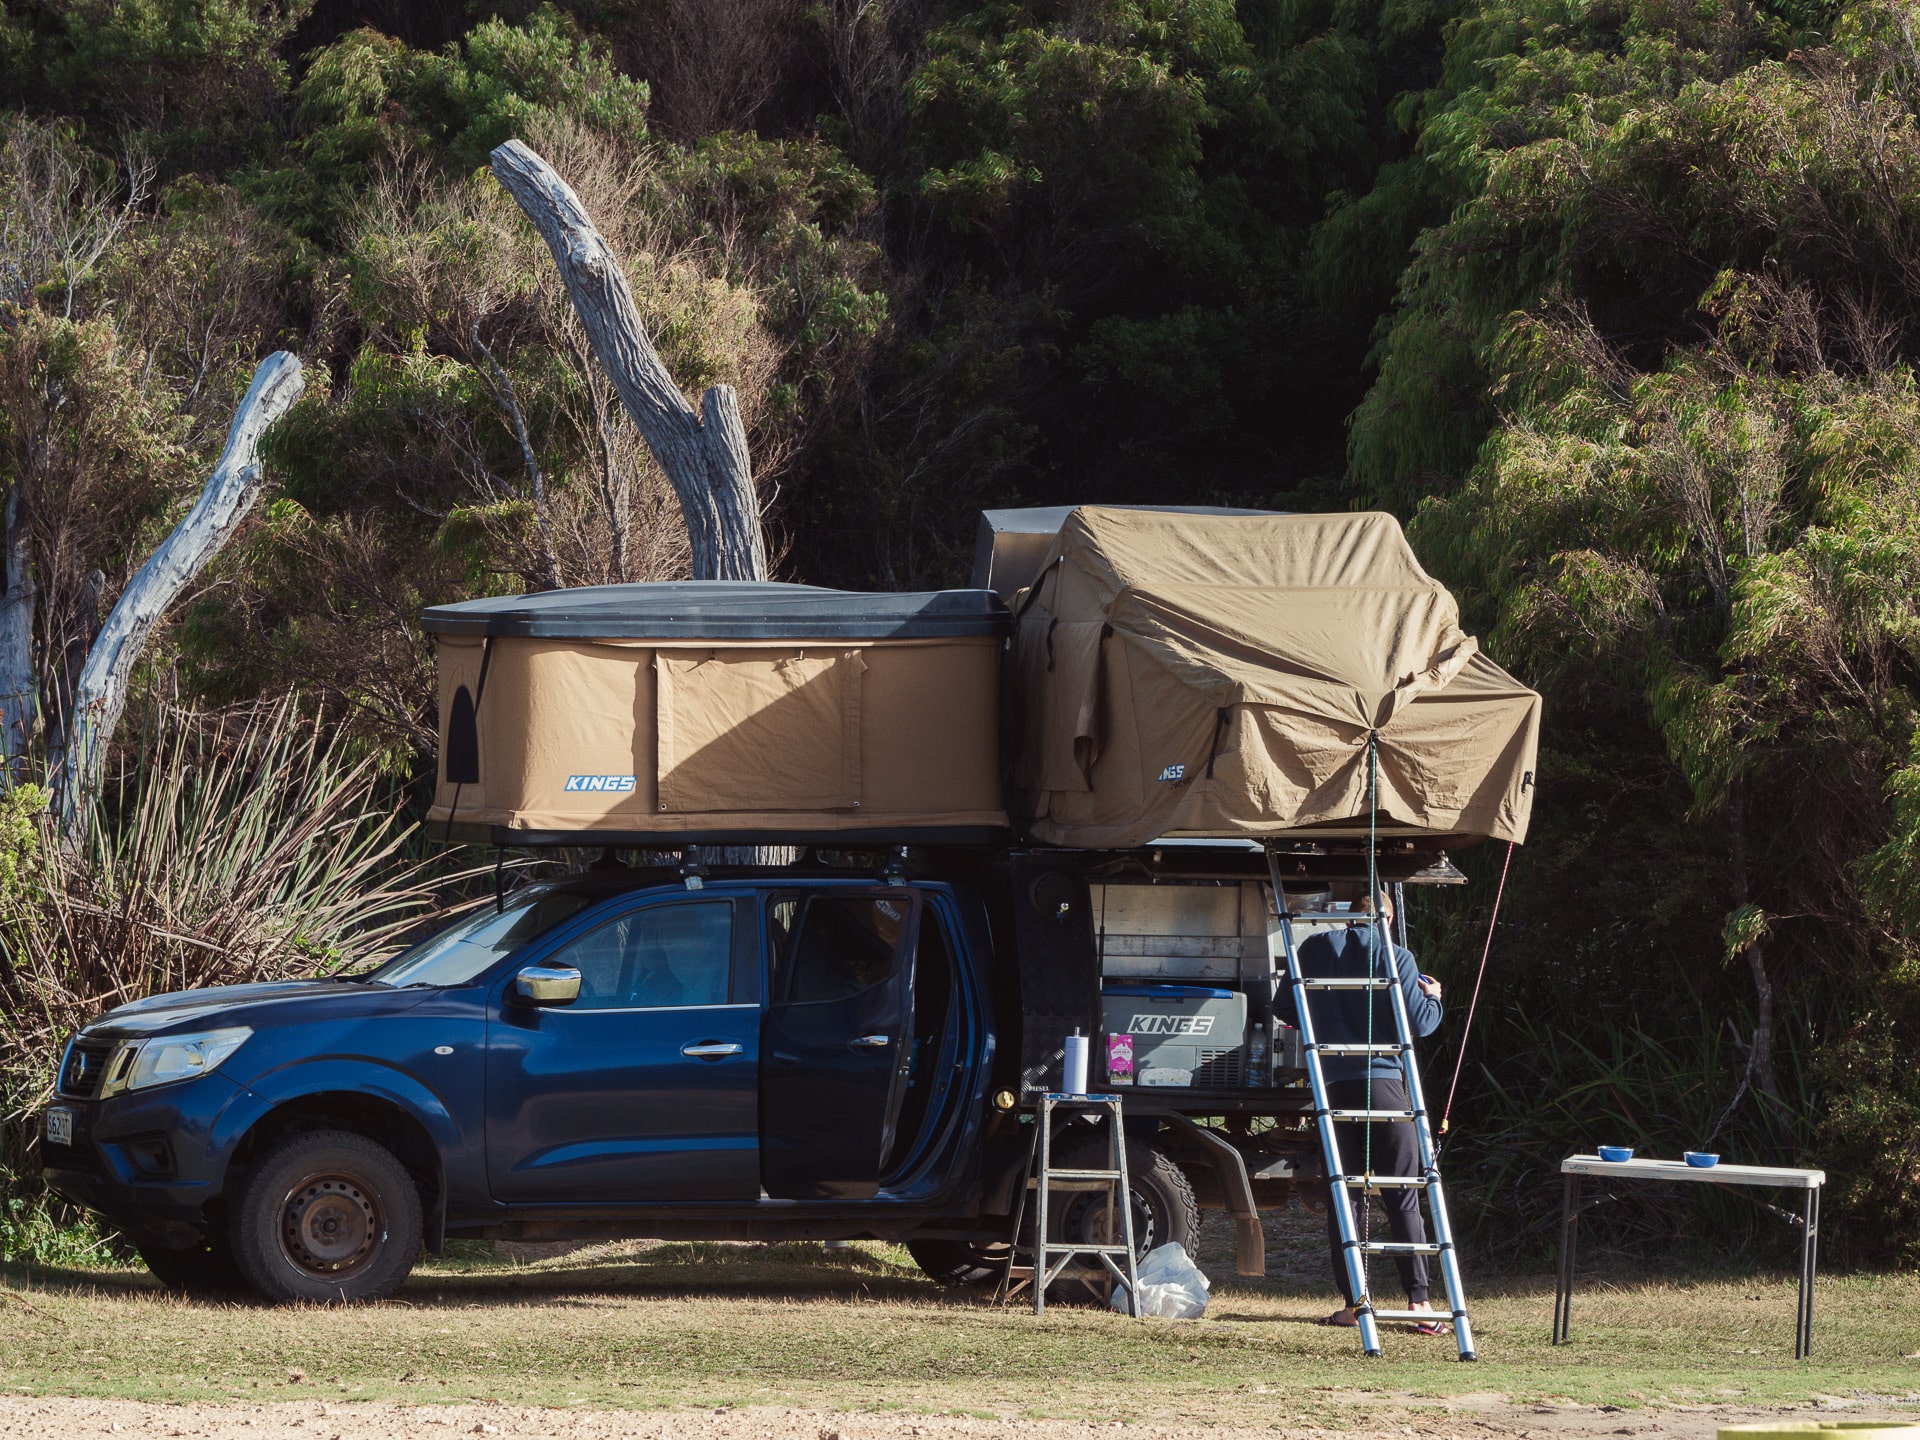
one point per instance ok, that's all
(1086, 1220)
(331, 1225)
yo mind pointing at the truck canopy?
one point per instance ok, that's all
(1217, 675)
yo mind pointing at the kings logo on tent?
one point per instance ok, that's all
(616, 784)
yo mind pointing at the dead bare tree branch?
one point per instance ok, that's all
(704, 454)
(101, 695)
(59, 216)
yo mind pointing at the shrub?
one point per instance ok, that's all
(234, 847)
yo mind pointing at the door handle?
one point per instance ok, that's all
(871, 1042)
(711, 1049)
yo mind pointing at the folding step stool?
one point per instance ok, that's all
(1050, 1257)
(1342, 1186)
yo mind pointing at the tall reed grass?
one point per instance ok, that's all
(229, 847)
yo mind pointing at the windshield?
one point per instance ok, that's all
(464, 950)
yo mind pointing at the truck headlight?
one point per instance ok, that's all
(167, 1058)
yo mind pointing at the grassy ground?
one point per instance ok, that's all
(734, 1325)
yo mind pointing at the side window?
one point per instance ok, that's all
(665, 955)
(845, 944)
(601, 958)
(783, 913)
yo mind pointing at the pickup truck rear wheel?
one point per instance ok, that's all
(1164, 1210)
(206, 1270)
(327, 1216)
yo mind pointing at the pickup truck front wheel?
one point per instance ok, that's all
(327, 1216)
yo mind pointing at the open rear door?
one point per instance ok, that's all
(834, 1057)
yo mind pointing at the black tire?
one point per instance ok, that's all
(1164, 1210)
(960, 1263)
(329, 1217)
(206, 1271)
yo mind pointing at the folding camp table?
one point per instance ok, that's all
(1574, 1167)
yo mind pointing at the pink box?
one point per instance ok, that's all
(1119, 1059)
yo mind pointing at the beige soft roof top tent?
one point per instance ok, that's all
(1011, 546)
(719, 712)
(1196, 674)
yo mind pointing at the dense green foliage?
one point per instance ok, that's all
(1614, 301)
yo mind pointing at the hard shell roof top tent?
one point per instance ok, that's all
(716, 712)
(1258, 675)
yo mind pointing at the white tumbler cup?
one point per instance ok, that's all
(1074, 1070)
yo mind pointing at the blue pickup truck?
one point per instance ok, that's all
(808, 1051)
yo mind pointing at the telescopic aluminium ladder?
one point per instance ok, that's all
(1343, 1186)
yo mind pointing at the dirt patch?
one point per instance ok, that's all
(1375, 1417)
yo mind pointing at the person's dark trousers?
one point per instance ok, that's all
(1396, 1151)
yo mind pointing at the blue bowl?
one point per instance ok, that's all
(1616, 1153)
(1700, 1160)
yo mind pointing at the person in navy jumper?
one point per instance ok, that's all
(1340, 1018)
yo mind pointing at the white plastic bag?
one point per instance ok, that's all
(1171, 1286)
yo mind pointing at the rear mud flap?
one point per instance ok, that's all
(1249, 1241)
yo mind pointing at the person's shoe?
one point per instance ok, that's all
(1435, 1326)
(1342, 1319)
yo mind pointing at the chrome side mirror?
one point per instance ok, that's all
(547, 985)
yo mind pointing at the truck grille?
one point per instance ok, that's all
(84, 1068)
(1219, 1070)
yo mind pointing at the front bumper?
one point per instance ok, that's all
(142, 1158)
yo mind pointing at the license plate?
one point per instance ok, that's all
(59, 1126)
